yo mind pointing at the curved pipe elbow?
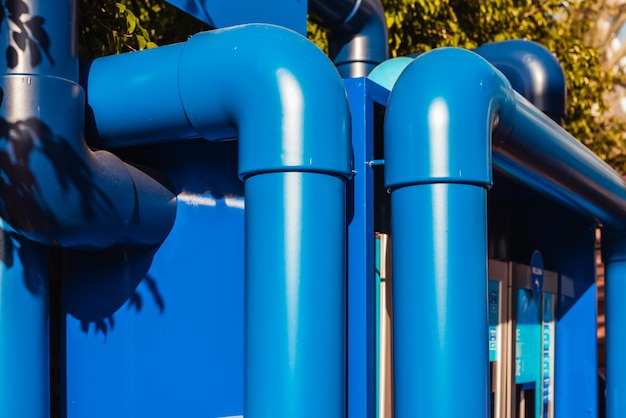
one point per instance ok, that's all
(357, 38)
(439, 121)
(277, 90)
(533, 71)
(267, 85)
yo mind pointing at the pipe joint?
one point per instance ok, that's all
(276, 91)
(439, 121)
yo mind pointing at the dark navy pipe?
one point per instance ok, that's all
(283, 99)
(357, 37)
(533, 71)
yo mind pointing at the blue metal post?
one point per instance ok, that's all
(614, 257)
(438, 167)
(361, 287)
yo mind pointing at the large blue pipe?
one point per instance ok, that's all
(438, 160)
(286, 103)
(534, 149)
(441, 128)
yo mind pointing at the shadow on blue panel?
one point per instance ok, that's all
(97, 284)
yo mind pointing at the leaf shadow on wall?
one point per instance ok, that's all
(97, 284)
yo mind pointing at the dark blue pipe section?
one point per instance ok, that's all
(357, 33)
(283, 99)
(438, 167)
(533, 71)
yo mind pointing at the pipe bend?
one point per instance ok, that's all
(533, 71)
(439, 121)
(357, 42)
(276, 90)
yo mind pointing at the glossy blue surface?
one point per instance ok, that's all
(272, 88)
(527, 144)
(440, 300)
(295, 343)
(445, 126)
(24, 338)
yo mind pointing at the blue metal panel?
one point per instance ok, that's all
(218, 13)
(361, 286)
(160, 334)
(440, 301)
(576, 358)
(24, 343)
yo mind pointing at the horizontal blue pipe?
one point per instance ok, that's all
(248, 82)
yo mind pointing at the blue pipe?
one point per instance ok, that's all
(535, 150)
(357, 33)
(53, 188)
(283, 99)
(438, 159)
(533, 71)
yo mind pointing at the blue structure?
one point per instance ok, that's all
(178, 272)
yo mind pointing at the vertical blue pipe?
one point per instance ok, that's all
(295, 296)
(614, 257)
(285, 101)
(439, 267)
(24, 343)
(438, 131)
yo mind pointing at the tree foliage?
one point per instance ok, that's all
(112, 26)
